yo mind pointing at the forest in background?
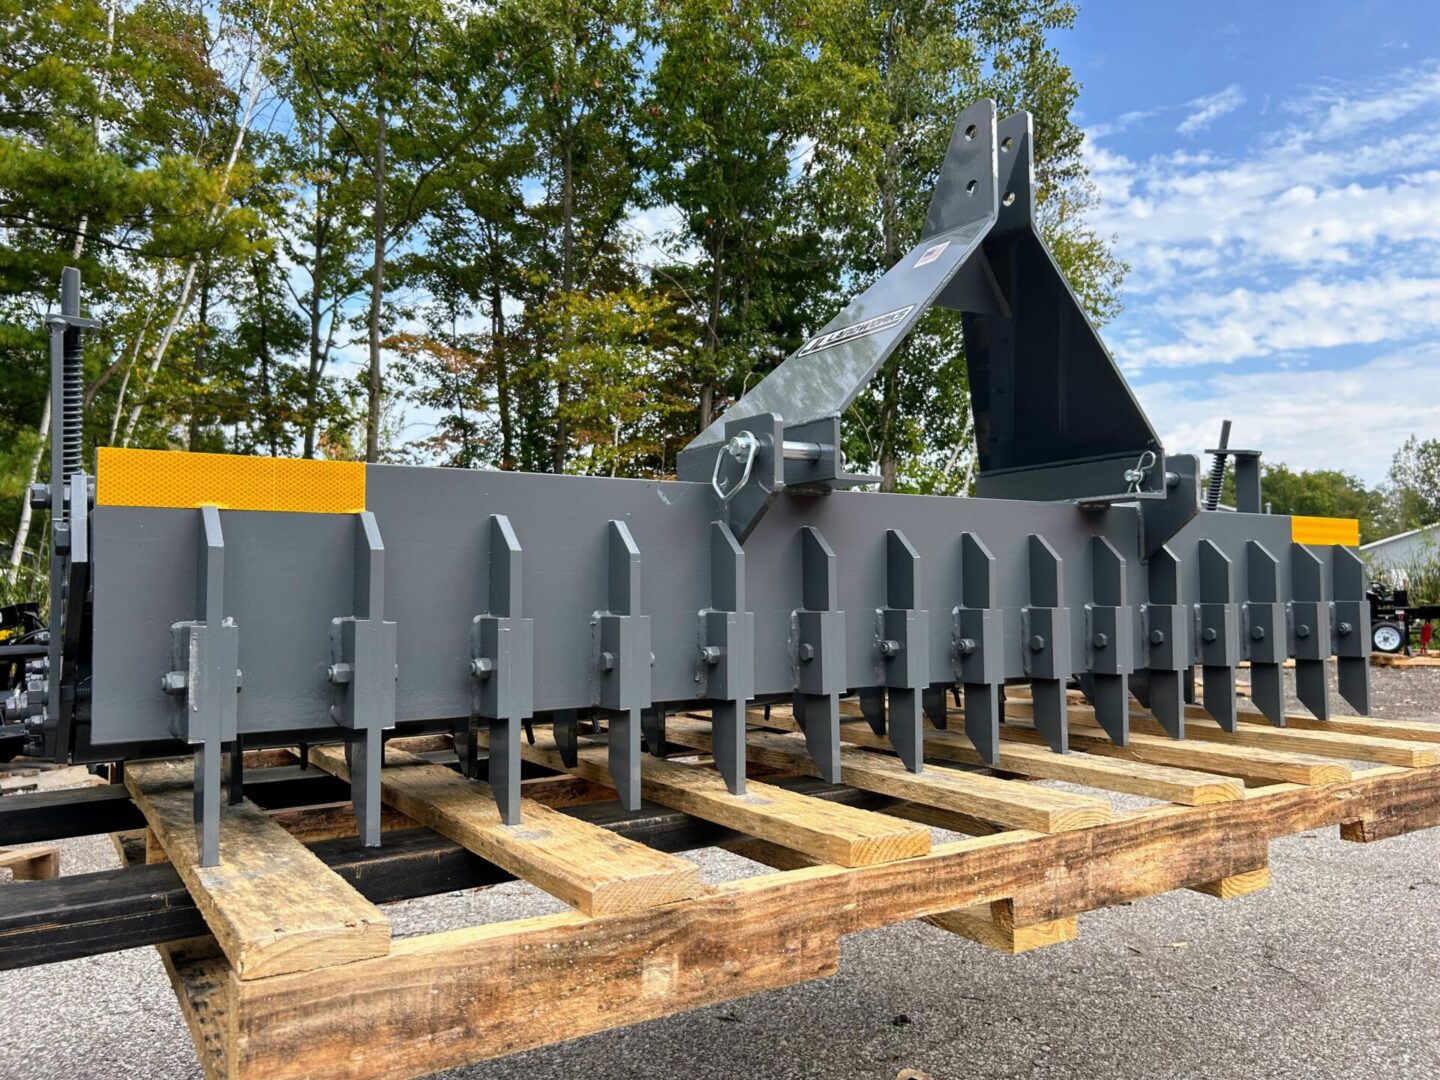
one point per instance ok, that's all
(529, 234)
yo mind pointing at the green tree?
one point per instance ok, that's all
(734, 103)
(576, 81)
(1316, 493)
(382, 72)
(1413, 488)
(113, 138)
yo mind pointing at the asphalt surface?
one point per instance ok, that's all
(1331, 972)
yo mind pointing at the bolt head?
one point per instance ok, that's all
(1100, 641)
(173, 682)
(1258, 633)
(607, 661)
(1210, 634)
(889, 647)
(1157, 637)
(482, 667)
(806, 652)
(1037, 643)
(1302, 631)
(710, 654)
(965, 646)
(1344, 628)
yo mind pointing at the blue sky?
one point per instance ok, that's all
(1271, 171)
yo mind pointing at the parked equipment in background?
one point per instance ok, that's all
(209, 602)
(1393, 618)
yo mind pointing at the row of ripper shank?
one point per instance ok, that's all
(205, 678)
(1215, 632)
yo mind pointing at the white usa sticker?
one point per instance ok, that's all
(856, 330)
(931, 254)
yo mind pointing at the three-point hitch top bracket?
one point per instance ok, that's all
(1054, 418)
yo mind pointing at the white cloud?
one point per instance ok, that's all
(1306, 315)
(1308, 419)
(1323, 232)
(1210, 107)
(1289, 279)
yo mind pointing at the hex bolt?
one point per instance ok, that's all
(1343, 628)
(39, 496)
(965, 646)
(1157, 637)
(173, 682)
(1037, 643)
(481, 667)
(1258, 633)
(1100, 641)
(806, 652)
(607, 661)
(889, 647)
(1210, 634)
(710, 654)
(339, 674)
(1302, 631)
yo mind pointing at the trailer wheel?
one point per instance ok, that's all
(1387, 637)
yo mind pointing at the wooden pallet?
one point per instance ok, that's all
(38, 862)
(1399, 660)
(643, 938)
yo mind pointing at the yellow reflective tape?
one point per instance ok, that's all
(229, 481)
(1324, 530)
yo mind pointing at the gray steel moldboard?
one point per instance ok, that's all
(287, 575)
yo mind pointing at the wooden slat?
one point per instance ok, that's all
(978, 924)
(588, 867)
(836, 834)
(462, 996)
(273, 906)
(1375, 726)
(1280, 766)
(1236, 885)
(40, 862)
(1184, 786)
(1335, 744)
(986, 797)
(986, 924)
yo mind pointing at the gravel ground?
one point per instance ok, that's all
(1328, 973)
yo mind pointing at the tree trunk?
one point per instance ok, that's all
(890, 380)
(259, 50)
(712, 328)
(500, 360)
(271, 421)
(202, 349)
(567, 282)
(313, 312)
(377, 277)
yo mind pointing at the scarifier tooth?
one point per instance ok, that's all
(982, 720)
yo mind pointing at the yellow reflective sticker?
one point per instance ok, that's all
(1324, 530)
(229, 481)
